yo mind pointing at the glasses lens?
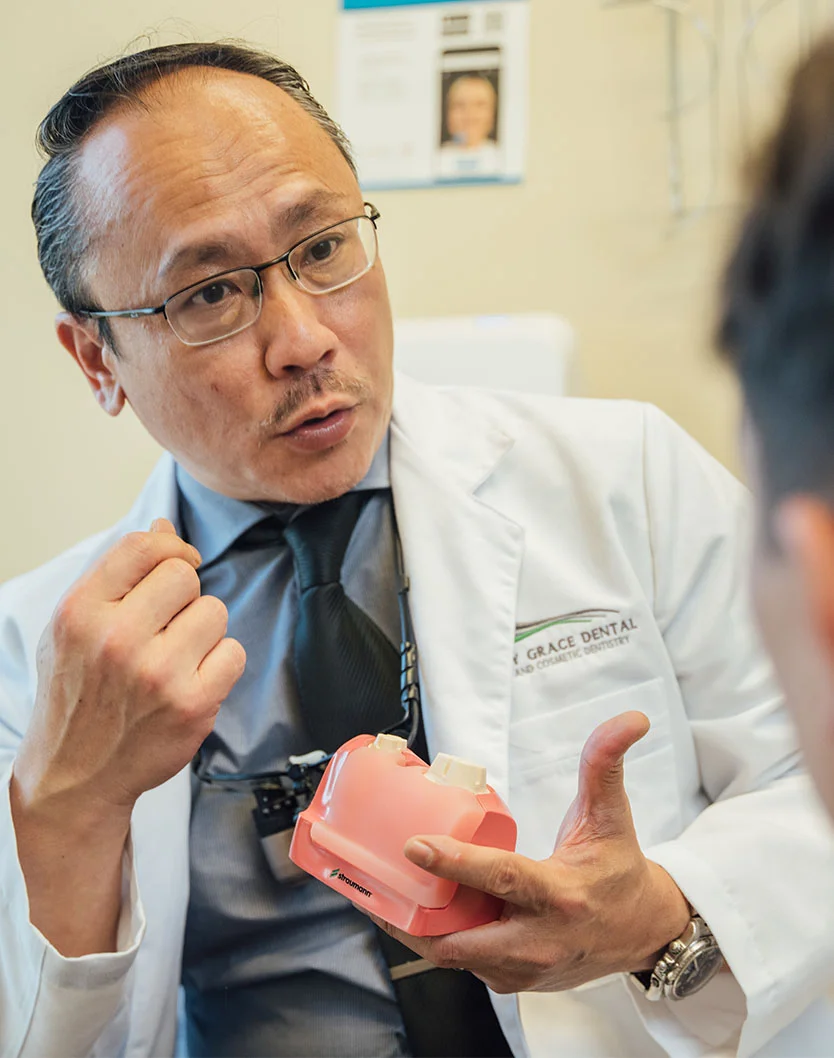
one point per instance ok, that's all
(221, 306)
(335, 257)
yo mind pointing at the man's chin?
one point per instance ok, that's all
(331, 478)
(306, 497)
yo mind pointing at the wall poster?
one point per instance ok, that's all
(433, 92)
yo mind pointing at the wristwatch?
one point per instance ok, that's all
(685, 967)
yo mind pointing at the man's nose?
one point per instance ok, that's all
(293, 337)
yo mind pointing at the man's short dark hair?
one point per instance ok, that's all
(57, 212)
(777, 317)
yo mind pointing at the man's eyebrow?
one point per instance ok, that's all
(315, 206)
(219, 253)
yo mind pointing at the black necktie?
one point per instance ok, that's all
(348, 671)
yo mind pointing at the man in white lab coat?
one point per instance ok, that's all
(574, 568)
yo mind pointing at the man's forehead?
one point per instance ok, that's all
(196, 142)
(216, 112)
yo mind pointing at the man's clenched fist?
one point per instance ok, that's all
(132, 670)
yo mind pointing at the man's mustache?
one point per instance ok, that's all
(311, 385)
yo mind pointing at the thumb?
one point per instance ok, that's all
(162, 525)
(600, 808)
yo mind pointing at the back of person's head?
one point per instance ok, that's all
(777, 323)
(777, 328)
(61, 224)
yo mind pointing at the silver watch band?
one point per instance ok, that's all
(687, 965)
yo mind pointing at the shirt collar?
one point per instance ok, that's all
(212, 522)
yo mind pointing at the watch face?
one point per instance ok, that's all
(697, 971)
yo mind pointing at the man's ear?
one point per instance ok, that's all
(82, 340)
(804, 529)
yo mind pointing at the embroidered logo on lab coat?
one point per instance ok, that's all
(569, 637)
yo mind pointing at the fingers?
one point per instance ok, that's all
(130, 560)
(601, 765)
(483, 949)
(601, 808)
(503, 874)
(609, 742)
(195, 632)
(435, 949)
(160, 596)
(162, 525)
(221, 669)
(422, 946)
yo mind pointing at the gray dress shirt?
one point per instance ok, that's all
(272, 968)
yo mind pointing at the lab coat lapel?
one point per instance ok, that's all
(463, 559)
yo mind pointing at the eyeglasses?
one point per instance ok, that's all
(229, 302)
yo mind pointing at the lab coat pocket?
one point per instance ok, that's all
(544, 760)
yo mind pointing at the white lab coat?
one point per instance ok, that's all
(514, 510)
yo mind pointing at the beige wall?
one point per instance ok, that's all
(587, 235)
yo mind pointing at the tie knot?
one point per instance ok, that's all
(319, 538)
(268, 532)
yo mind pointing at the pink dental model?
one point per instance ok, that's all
(374, 796)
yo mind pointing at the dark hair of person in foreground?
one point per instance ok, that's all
(777, 313)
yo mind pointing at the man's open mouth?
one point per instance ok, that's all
(322, 429)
